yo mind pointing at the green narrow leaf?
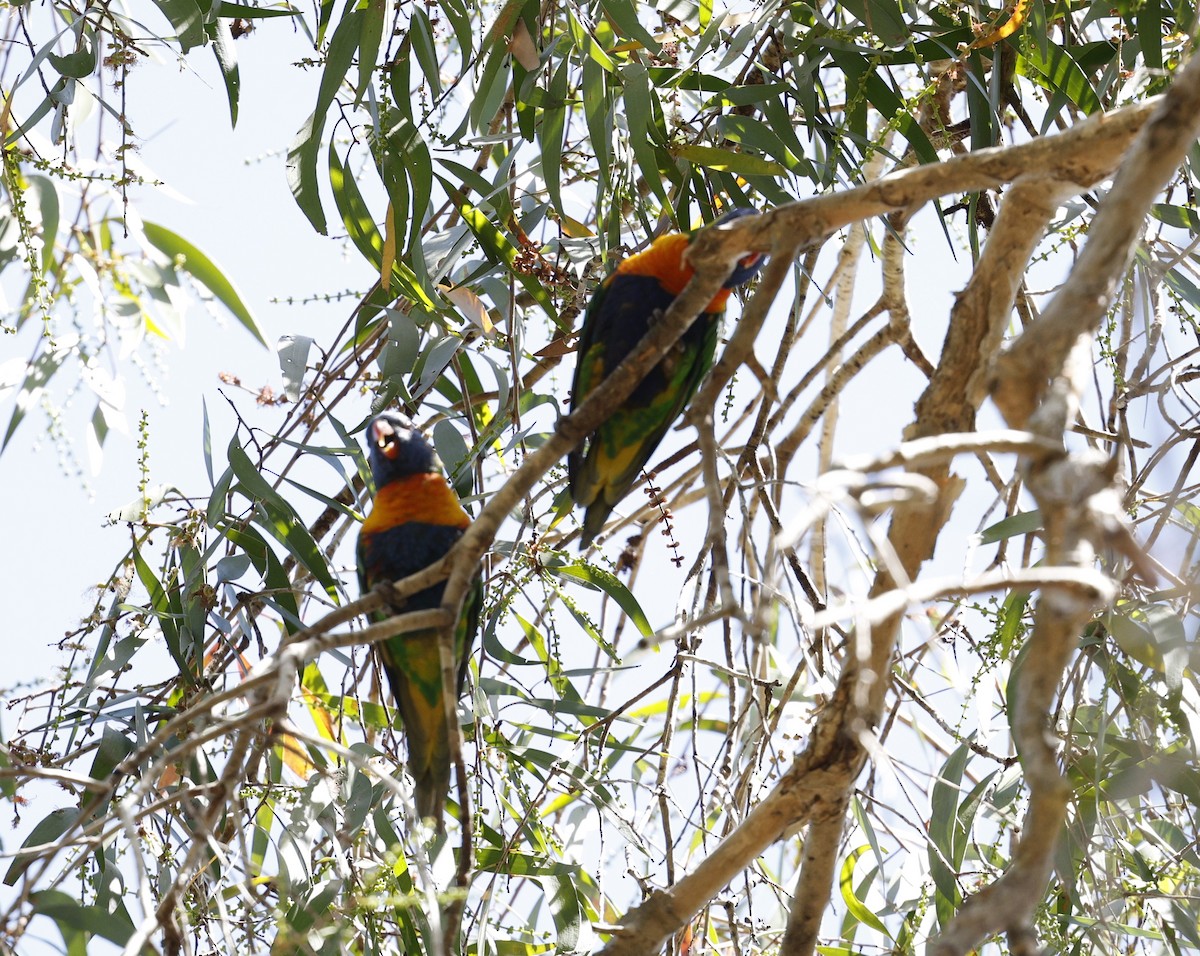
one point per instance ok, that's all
(497, 651)
(408, 156)
(76, 65)
(455, 456)
(946, 840)
(1026, 522)
(624, 15)
(168, 616)
(188, 20)
(743, 164)
(260, 841)
(356, 217)
(266, 563)
(1185, 16)
(774, 112)
(584, 623)
(463, 25)
(8, 784)
(567, 910)
(858, 909)
(1150, 34)
(864, 824)
(883, 18)
(240, 10)
(432, 364)
(587, 44)
(49, 828)
(301, 172)
(756, 135)
(1151, 634)
(325, 499)
(374, 15)
(1183, 287)
(597, 111)
(282, 522)
(611, 585)
(554, 670)
(1060, 75)
(46, 51)
(114, 747)
(1037, 28)
(884, 97)
(37, 375)
(499, 249)
(226, 53)
(550, 135)
(640, 116)
(302, 154)
(1012, 621)
(421, 35)
(206, 272)
(752, 93)
(490, 88)
(985, 130)
(1184, 217)
(365, 234)
(215, 513)
(46, 105)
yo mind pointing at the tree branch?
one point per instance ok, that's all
(1037, 382)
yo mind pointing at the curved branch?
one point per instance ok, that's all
(1082, 302)
(1038, 381)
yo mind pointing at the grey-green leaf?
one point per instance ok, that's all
(302, 154)
(206, 272)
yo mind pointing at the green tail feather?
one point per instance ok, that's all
(413, 666)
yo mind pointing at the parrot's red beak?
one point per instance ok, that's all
(383, 436)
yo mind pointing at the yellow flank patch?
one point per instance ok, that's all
(428, 711)
(426, 498)
(615, 463)
(664, 261)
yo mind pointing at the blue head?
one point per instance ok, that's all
(397, 448)
(748, 266)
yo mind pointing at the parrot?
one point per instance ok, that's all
(603, 469)
(414, 520)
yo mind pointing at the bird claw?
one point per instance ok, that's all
(387, 591)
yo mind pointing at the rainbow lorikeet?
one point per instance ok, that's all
(414, 520)
(605, 466)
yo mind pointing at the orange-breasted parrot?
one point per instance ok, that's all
(414, 520)
(605, 466)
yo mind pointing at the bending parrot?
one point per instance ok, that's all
(605, 466)
(414, 520)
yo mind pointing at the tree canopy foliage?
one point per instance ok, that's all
(895, 649)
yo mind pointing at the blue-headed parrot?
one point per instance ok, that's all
(605, 466)
(414, 520)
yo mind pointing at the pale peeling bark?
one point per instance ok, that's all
(1037, 383)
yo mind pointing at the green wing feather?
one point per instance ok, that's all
(606, 468)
